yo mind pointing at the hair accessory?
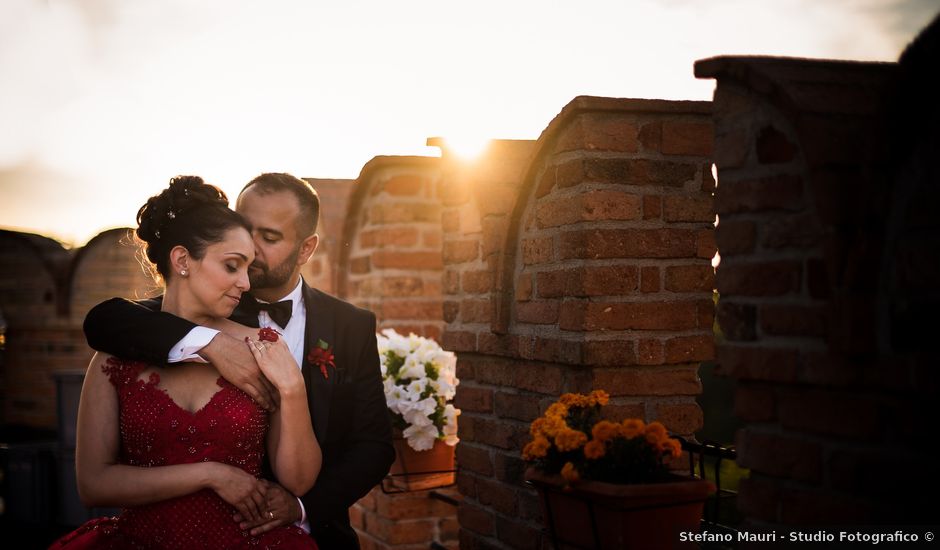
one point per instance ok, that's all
(157, 233)
(170, 214)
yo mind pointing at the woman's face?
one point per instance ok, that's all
(218, 280)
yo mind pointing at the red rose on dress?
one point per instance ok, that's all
(322, 356)
(268, 334)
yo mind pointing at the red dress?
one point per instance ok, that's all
(155, 431)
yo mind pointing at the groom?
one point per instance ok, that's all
(346, 399)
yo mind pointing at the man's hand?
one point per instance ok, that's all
(280, 504)
(236, 364)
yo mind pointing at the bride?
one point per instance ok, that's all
(179, 448)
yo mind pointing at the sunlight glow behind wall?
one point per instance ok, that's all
(111, 98)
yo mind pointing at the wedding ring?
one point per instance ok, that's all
(260, 346)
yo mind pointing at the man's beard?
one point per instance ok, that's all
(266, 277)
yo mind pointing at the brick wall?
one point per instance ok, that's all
(320, 271)
(390, 262)
(834, 410)
(38, 342)
(579, 262)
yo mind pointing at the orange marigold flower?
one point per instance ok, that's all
(568, 399)
(537, 426)
(632, 427)
(673, 447)
(552, 426)
(537, 448)
(600, 397)
(656, 434)
(569, 440)
(595, 449)
(557, 409)
(570, 473)
(605, 430)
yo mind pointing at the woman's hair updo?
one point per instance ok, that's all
(189, 213)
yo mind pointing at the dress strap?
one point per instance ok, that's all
(122, 372)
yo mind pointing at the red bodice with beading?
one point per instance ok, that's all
(156, 431)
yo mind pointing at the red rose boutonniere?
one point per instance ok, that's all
(268, 334)
(322, 356)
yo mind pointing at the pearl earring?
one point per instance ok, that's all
(183, 272)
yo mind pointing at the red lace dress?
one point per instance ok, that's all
(155, 431)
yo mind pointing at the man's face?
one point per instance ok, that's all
(277, 244)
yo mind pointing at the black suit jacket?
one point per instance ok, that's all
(348, 409)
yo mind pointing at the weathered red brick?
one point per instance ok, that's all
(648, 381)
(461, 251)
(403, 185)
(589, 316)
(494, 234)
(688, 209)
(392, 259)
(768, 364)
(794, 231)
(402, 286)
(770, 193)
(404, 212)
(451, 282)
(636, 243)
(652, 207)
(771, 278)
(412, 309)
(773, 147)
(705, 246)
(738, 321)
(650, 279)
(687, 138)
(609, 352)
(599, 132)
(793, 320)
(360, 265)
(538, 250)
(688, 349)
(475, 518)
(538, 313)
(546, 182)
(625, 171)
(755, 402)
(474, 399)
(497, 496)
(474, 458)
(651, 135)
(680, 418)
(524, 287)
(515, 405)
(735, 237)
(476, 310)
(538, 378)
(651, 352)
(690, 278)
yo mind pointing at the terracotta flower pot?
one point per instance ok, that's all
(420, 470)
(594, 514)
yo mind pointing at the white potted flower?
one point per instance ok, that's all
(420, 380)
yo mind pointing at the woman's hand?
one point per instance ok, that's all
(240, 489)
(278, 364)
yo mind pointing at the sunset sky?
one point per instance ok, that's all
(102, 101)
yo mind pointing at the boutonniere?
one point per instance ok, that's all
(322, 356)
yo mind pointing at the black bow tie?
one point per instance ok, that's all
(280, 312)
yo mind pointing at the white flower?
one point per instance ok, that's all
(412, 368)
(421, 438)
(426, 417)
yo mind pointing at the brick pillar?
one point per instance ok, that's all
(594, 272)
(391, 259)
(390, 263)
(834, 411)
(320, 271)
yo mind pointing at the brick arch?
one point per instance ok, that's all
(105, 267)
(610, 235)
(39, 340)
(390, 260)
